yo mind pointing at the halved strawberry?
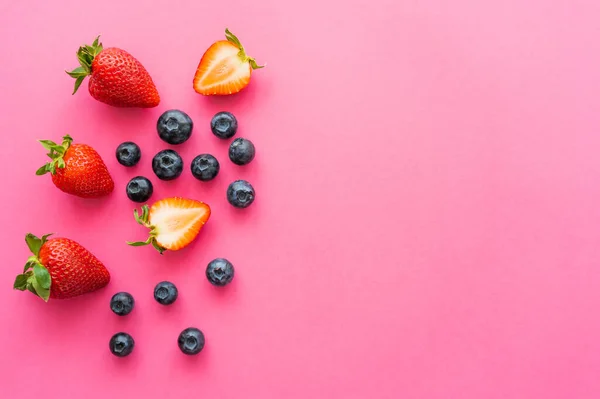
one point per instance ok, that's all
(225, 68)
(173, 222)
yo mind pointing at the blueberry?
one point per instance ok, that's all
(240, 194)
(174, 126)
(205, 167)
(121, 344)
(241, 151)
(224, 125)
(122, 303)
(139, 189)
(167, 165)
(128, 153)
(191, 341)
(165, 293)
(220, 272)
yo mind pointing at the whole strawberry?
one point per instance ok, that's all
(77, 169)
(60, 268)
(116, 77)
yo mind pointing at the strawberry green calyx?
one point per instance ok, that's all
(242, 53)
(35, 277)
(56, 153)
(143, 220)
(85, 55)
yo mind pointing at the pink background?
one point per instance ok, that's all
(427, 222)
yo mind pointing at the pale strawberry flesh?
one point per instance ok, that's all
(222, 71)
(177, 221)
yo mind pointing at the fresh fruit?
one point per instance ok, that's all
(220, 272)
(122, 303)
(205, 167)
(60, 268)
(174, 126)
(225, 68)
(241, 151)
(165, 293)
(173, 222)
(121, 344)
(128, 154)
(191, 341)
(167, 165)
(224, 125)
(116, 77)
(139, 189)
(240, 194)
(77, 169)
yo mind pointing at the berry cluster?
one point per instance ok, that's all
(61, 268)
(219, 272)
(175, 128)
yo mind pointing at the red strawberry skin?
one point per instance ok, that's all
(74, 270)
(85, 174)
(118, 79)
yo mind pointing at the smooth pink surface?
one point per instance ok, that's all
(427, 223)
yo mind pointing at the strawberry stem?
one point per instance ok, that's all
(56, 154)
(35, 277)
(85, 56)
(143, 220)
(242, 53)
